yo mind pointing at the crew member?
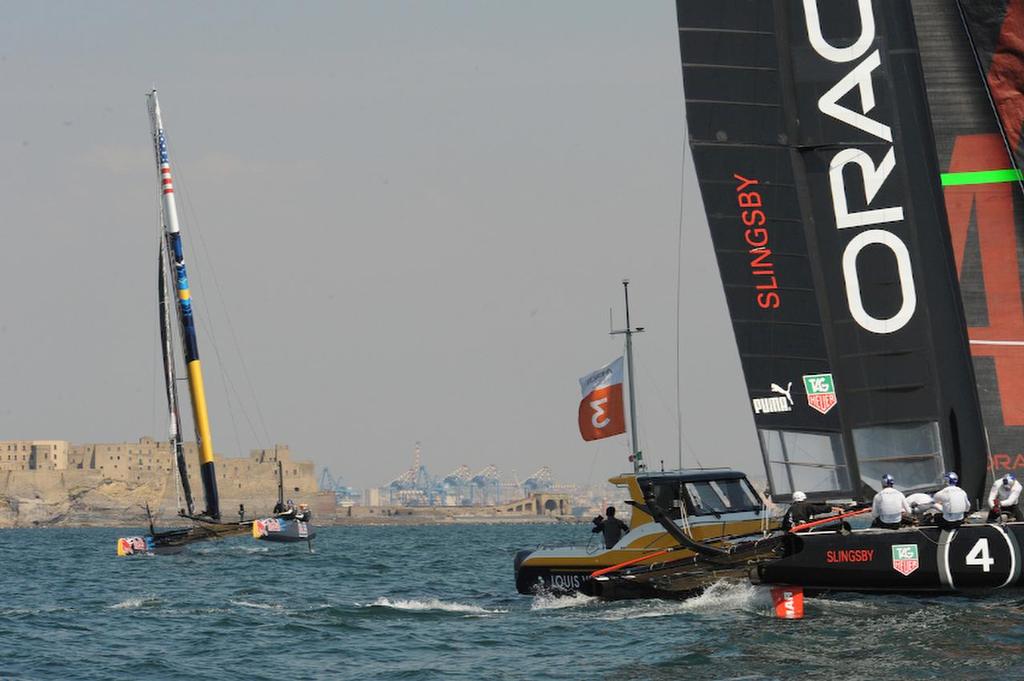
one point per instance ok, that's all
(801, 510)
(612, 527)
(952, 502)
(889, 505)
(921, 505)
(288, 512)
(1003, 498)
(304, 513)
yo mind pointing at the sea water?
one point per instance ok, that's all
(439, 602)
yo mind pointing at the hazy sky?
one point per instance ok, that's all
(405, 221)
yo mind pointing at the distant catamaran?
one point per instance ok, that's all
(206, 524)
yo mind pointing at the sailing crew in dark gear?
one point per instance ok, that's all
(801, 510)
(1003, 498)
(889, 506)
(612, 527)
(952, 502)
(289, 511)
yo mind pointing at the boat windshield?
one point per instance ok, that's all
(722, 496)
(706, 497)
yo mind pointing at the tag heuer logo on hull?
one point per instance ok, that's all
(904, 558)
(821, 392)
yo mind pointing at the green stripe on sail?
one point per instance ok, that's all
(981, 177)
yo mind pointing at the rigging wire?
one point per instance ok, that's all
(204, 319)
(207, 323)
(680, 438)
(154, 328)
(665, 403)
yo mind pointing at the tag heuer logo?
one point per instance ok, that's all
(821, 392)
(904, 558)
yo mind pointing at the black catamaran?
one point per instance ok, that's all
(818, 132)
(206, 524)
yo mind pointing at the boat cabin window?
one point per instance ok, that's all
(666, 496)
(910, 452)
(705, 497)
(810, 462)
(721, 496)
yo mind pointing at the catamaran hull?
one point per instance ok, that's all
(282, 531)
(174, 541)
(911, 560)
(555, 580)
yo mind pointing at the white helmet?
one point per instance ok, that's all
(799, 496)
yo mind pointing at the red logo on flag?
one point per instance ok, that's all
(601, 413)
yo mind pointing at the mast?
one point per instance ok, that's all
(636, 455)
(170, 377)
(280, 485)
(185, 316)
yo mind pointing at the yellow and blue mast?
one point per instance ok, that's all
(172, 237)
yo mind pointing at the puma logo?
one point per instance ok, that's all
(776, 388)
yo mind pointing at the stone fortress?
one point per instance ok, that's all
(47, 482)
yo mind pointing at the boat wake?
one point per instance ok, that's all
(552, 602)
(431, 604)
(258, 606)
(729, 595)
(136, 603)
(721, 597)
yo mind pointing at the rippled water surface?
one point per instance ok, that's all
(438, 602)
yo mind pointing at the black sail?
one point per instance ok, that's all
(972, 54)
(165, 302)
(811, 140)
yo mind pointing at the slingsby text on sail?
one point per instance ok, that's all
(749, 199)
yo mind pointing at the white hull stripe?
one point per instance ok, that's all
(1014, 566)
(945, 539)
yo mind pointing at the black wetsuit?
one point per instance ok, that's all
(613, 529)
(801, 511)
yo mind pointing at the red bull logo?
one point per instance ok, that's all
(261, 528)
(129, 546)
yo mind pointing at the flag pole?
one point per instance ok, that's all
(636, 456)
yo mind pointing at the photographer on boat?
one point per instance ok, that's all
(889, 506)
(1003, 498)
(612, 527)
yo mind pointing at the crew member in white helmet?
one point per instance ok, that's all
(921, 505)
(801, 510)
(953, 503)
(1003, 498)
(889, 506)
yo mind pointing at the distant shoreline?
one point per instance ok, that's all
(410, 520)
